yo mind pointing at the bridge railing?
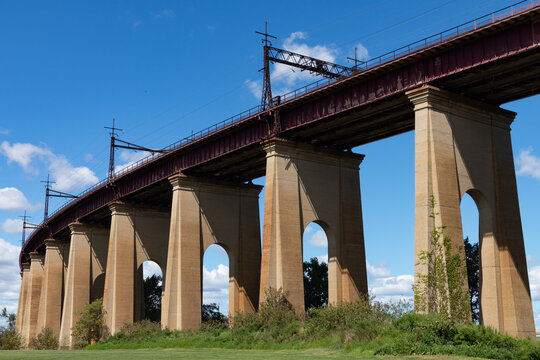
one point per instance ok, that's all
(369, 64)
(185, 141)
(422, 44)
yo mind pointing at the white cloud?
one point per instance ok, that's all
(10, 281)
(164, 14)
(5, 131)
(528, 164)
(136, 23)
(318, 239)
(12, 226)
(216, 286)
(88, 157)
(23, 154)
(254, 87)
(66, 176)
(13, 199)
(392, 288)
(216, 278)
(380, 270)
(323, 258)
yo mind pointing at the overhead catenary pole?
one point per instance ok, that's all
(26, 225)
(266, 99)
(123, 145)
(52, 193)
(304, 62)
(110, 174)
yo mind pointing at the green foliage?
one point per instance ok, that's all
(10, 339)
(141, 330)
(442, 289)
(365, 327)
(275, 313)
(472, 256)
(437, 334)
(360, 320)
(10, 318)
(211, 313)
(45, 340)
(91, 325)
(153, 287)
(315, 283)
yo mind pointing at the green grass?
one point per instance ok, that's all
(201, 354)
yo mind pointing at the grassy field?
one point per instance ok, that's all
(201, 354)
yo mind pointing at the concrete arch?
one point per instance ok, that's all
(206, 212)
(463, 145)
(307, 184)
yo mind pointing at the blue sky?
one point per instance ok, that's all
(166, 68)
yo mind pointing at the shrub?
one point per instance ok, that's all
(45, 340)
(91, 325)
(360, 320)
(276, 320)
(276, 310)
(11, 340)
(140, 330)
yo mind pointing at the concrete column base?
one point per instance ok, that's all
(84, 265)
(137, 234)
(50, 308)
(463, 146)
(33, 297)
(23, 297)
(205, 213)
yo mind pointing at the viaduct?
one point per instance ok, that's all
(170, 207)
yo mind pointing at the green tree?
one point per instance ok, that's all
(10, 318)
(211, 313)
(153, 287)
(472, 257)
(91, 325)
(441, 290)
(315, 283)
(10, 339)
